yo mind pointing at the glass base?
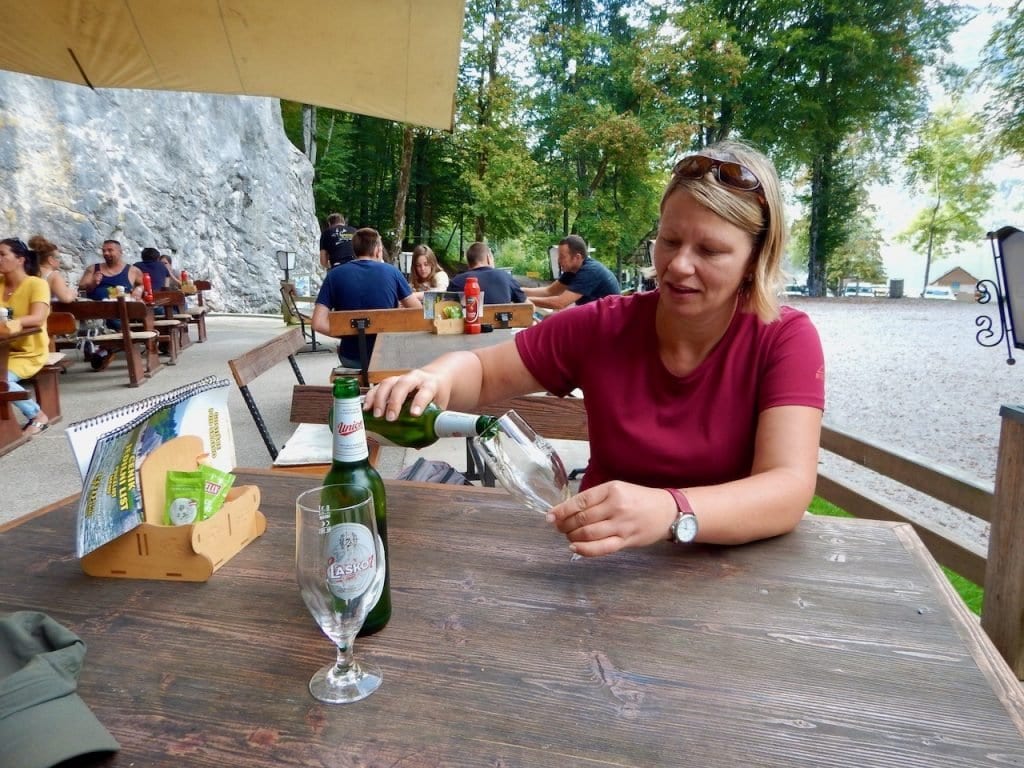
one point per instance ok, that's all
(332, 686)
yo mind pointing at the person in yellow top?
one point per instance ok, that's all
(26, 297)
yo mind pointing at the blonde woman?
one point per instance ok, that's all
(704, 396)
(49, 268)
(426, 274)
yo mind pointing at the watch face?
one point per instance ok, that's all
(685, 529)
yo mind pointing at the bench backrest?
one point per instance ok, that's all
(60, 324)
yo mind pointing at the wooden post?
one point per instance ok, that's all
(1002, 614)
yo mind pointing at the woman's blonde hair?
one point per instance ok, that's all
(417, 283)
(764, 221)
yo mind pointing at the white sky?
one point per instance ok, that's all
(896, 207)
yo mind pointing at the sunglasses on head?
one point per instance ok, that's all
(726, 172)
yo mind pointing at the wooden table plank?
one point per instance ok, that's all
(398, 353)
(835, 645)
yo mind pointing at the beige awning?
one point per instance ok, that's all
(396, 59)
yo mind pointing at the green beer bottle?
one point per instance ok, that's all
(410, 431)
(351, 465)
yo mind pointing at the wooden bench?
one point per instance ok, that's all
(367, 322)
(556, 418)
(46, 381)
(125, 339)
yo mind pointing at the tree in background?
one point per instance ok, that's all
(499, 176)
(1004, 64)
(949, 168)
(831, 77)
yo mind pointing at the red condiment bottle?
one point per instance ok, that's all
(472, 294)
(184, 277)
(147, 288)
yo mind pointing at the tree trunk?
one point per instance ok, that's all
(819, 207)
(309, 133)
(404, 174)
(931, 237)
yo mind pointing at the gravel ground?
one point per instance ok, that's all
(909, 375)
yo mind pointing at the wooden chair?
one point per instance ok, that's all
(291, 300)
(366, 322)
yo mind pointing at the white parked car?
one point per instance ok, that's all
(939, 292)
(859, 290)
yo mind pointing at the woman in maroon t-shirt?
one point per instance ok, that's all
(704, 399)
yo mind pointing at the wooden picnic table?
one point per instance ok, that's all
(398, 353)
(11, 435)
(840, 644)
(87, 309)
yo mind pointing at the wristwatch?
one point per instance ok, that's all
(684, 528)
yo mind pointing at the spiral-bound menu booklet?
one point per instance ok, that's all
(111, 447)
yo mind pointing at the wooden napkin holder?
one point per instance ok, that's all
(192, 552)
(445, 325)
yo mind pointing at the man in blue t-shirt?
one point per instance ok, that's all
(366, 282)
(582, 281)
(498, 286)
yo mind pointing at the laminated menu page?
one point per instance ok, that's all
(113, 445)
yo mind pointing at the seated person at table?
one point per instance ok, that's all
(50, 268)
(427, 274)
(498, 286)
(173, 283)
(366, 282)
(154, 267)
(112, 272)
(702, 394)
(27, 298)
(582, 281)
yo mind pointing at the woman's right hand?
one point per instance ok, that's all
(388, 396)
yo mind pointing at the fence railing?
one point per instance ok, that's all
(1000, 570)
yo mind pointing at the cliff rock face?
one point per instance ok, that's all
(211, 180)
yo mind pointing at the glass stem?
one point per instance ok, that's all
(345, 658)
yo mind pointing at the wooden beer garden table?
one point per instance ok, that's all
(398, 353)
(840, 644)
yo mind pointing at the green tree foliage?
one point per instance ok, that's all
(949, 168)
(600, 137)
(1004, 66)
(499, 176)
(830, 76)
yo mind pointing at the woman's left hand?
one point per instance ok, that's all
(612, 516)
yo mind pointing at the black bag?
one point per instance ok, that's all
(426, 471)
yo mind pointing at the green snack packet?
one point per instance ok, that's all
(184, 504)
(216, 485)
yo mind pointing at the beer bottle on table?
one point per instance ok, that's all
(351, 466)
(410, 431)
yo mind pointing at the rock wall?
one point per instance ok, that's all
(211, 180)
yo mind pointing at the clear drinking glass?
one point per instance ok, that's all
(526, 465)
(339, 564)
